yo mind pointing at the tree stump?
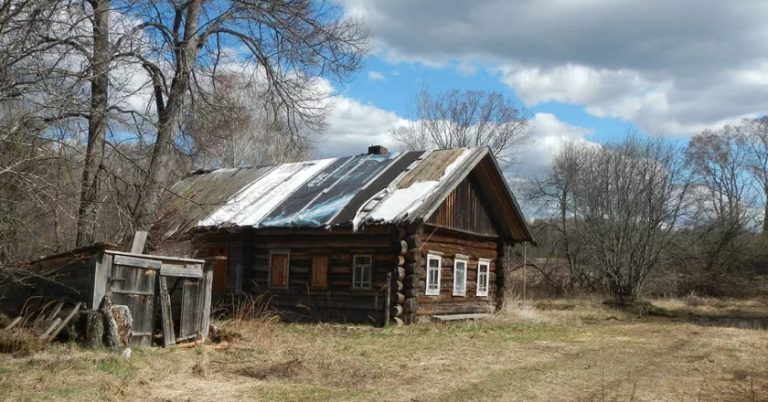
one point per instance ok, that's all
(124, 320)
(111, 337)
(93, 328)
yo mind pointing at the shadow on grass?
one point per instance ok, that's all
(731, 318)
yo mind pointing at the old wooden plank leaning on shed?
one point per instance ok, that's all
(169, 337)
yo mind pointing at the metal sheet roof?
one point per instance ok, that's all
(350, 191)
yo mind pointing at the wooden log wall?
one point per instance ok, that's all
(413, 281)
(447, 244)
(338, 301)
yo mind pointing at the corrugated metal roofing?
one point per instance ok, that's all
(349, 191)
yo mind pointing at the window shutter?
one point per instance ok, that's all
(279, 271)
(319, 271)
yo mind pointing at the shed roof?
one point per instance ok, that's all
(351, 191)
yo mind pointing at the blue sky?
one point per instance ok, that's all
(393, 86)
(585, 70)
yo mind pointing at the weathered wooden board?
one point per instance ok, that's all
(134, 286)
(190, 304)
(169, 337)
(137, 262)
(188, 271)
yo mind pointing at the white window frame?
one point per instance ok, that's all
(287, 253)
(487, 263)
(459, 258)
(354, 271)
(427, 290)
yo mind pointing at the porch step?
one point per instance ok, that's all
(459, 317)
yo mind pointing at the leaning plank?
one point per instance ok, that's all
(55, 311)
(192, 272)
(205, 302)
(139, 238)
(65, 322)
(169, 338)
(50, 329)
(14, 322)
(137, 262)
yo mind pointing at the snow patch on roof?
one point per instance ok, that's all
(402, 201)
(249, 206)
(399, 203)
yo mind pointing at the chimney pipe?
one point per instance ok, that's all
(377, 150)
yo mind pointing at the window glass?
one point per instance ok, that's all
(433, 275)
(483, 269)
(460, 277)
(361, 273)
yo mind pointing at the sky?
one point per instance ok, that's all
(583, 70)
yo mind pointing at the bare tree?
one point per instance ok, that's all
(616, 209)
(230, 126)
(724, 192)
(465, 119)
(289, 43)
(756, 135)
(556, 194)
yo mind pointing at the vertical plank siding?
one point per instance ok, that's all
(464, 209)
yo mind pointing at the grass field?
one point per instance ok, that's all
(698, 350)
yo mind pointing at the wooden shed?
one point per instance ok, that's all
(376, 237)
(165, 295)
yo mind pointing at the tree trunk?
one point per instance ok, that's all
(765, 213)
(169, 116)
(97, 124)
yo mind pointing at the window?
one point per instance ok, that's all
(319, 277)
(433, 275)
(278, 269)
(361, 272)
(483, 273)
(460, 275)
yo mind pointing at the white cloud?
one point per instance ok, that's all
(353, 126)
(670, 67)
(376, 76)
(547, 136)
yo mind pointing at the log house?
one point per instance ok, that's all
(378, 237)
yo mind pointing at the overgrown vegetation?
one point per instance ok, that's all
(567, 349)
(644, 216)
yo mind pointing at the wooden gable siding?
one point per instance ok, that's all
(464, 210)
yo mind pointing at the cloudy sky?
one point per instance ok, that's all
(584, 69)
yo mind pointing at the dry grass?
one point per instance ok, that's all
(544, 350)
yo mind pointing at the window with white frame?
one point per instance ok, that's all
(460, 275)
(361, 272)
(433, 275)
(483, 275)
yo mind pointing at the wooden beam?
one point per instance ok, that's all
(137, 262)
(139, 239)
(65, 322)
(205, 302)
(169, 337)
(155, 257)
(191, 272)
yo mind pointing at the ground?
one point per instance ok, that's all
(691, 350)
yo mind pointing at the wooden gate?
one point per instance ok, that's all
(132, 283)
(173, 291)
